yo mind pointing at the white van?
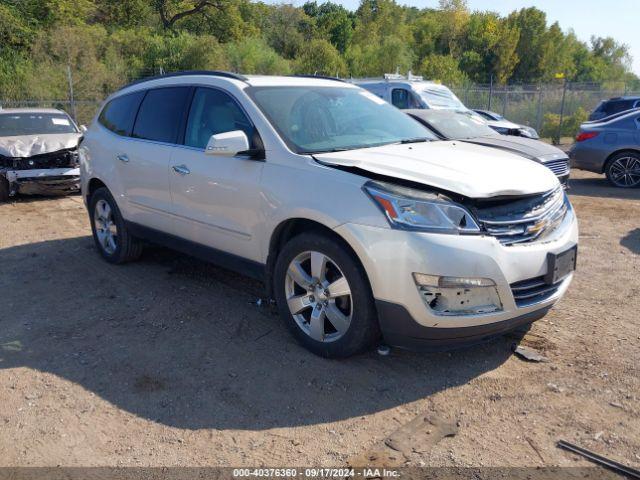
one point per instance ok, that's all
(411, 91)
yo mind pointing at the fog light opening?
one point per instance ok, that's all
(458, 295)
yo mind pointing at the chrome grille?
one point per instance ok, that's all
(532, 291)
(558, 167)
(524, 220)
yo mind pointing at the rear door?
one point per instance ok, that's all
(143, 160)
(216, 199)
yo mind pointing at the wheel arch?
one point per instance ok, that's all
(290, 228)
(92, 186)
(612, 155)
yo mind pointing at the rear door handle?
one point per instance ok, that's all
(123, 158)
(181, 169)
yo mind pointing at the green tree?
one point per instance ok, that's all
(253, 55)
(532, 45)
(320, 57)
(442, 68)
(333, 22)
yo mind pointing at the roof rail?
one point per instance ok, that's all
(213, 73)
(323, 77)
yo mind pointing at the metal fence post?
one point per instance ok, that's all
(539, 109)
(72, 101)
(505, 101)
(564, 94)
(490, 92)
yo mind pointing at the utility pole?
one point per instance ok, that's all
(71, 99)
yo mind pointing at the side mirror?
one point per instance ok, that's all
(83, 128)
(228, 144)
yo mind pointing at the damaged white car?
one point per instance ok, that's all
(38, 152)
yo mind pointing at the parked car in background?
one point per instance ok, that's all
(610, 146)
(413, 91)
(507, 127)
(358, 221)
(38, 152)
(453, 125)
(606, 108)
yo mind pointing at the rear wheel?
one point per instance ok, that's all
(4, 189)
(623, 170)
(324, 297)
(110, 233)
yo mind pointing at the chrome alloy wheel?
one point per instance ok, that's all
(318, 296)
(625, 172)
(106, 229)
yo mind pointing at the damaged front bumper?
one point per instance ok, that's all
(44, 181)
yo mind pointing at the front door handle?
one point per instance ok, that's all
(123, 158)
(181, 169)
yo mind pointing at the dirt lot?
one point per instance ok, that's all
(170, 362)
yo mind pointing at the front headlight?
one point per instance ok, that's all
(410, 209)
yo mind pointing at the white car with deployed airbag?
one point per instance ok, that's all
(364, 227)
(38, 152)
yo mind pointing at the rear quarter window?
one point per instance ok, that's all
(119, 114)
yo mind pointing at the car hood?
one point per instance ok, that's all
(533, 149)
(503, 124)
(470, 170)
(30, 145)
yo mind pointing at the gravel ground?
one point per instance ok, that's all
(170, 362)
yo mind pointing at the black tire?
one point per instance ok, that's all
(127, 247)
(363, 331)
(617, 162)
(4, 189)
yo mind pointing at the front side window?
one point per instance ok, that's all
(160, 114)
(212, 112)
(14, 124)
(119, 114)
(404, 99)
(324, 119)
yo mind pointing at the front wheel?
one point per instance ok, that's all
(324, 297)
(623, 170)
(110, 233)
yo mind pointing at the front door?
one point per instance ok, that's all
(215, 198)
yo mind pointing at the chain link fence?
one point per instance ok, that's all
(555, 110)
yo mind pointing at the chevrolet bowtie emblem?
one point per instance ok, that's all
(537, 227)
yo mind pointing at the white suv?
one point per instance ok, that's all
(360, 223)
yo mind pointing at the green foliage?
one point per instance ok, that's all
(106, 43)
(570, 125)
(253, 55)
(321, 58)
(443, 69)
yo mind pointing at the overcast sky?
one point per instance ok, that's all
(619, 19)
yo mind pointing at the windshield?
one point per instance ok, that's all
(14, 124)
(325, 119)
(441, 97)
(460, 126)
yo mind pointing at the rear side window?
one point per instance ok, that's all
(618, 106)
(213, 112)
(161, 114)
(119, 114)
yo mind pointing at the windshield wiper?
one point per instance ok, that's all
(415, 140)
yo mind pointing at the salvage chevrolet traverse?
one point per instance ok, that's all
(362, 224)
